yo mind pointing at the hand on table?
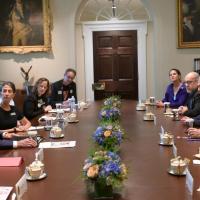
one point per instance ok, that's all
(185, 118)
(47, 108)
(182, 109)
(65, 103)
(159, 104)
(7, 135)
(21, 129)
(28, 142)
(194, 132)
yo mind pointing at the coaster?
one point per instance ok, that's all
(30, 178)
(175, 174)
(75, 121)
(163, 144)
(56, 137)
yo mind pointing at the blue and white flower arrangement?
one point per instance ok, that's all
(105, 167)
(109, 113)
(113, 101)
(108, 137)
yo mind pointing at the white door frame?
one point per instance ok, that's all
(89, 27)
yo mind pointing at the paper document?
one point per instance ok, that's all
(32, 128)
(4, 192)
(63, 109)
(57, 144)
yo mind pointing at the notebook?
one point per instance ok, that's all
(10, 161)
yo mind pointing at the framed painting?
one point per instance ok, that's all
(188, 23)
(25, 26)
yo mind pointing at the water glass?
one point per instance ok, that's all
(58, 106)
(167, 107)
(48, 124)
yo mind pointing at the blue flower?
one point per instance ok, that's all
(109, 113)
(111, 167)
(113, 156)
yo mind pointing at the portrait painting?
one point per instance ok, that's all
(188, 23)
(24, 26)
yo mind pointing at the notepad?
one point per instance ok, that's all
(10, 161)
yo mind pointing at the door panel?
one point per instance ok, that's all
(115, 63)
(105, 67)
(125, 72)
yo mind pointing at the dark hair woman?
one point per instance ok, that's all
(176, 92)
(11, 120)
(37, 102)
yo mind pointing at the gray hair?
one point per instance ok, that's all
(194, 75)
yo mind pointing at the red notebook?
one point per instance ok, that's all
(10, 161)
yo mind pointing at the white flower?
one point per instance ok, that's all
(86, 166)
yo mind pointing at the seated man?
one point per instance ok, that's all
(192, 108)
(7, 143)
(64, 89)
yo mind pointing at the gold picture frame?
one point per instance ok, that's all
(188, 24)
(25, 26)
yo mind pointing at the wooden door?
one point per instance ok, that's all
(115, 63)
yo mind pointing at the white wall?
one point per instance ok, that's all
(51, 65)
(162, 46)
(67, 48)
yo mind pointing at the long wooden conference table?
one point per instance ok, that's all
(146, 160)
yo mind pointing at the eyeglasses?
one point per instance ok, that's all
(69, 77)
(189, 82)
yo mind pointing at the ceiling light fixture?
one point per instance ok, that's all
(113, 8)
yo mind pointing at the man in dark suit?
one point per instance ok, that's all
(6, 141)
(192, 108)
(64, 88)
(5, 144)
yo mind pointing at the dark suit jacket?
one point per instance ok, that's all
(193, 104)
(57, 92)
(197, 121)
(5, 144)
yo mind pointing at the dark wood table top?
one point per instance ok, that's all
(146, 160)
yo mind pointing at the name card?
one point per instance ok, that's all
(174, 148)
(21, 187)
(62, 144)
(13, 197)
(162, 130)
(154, 119)
(189, 182)
(41, 154)
(196, 162)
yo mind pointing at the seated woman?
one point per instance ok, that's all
(11, 120)
(176, 92)
(37, 103)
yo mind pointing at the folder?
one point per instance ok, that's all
(10, 161)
